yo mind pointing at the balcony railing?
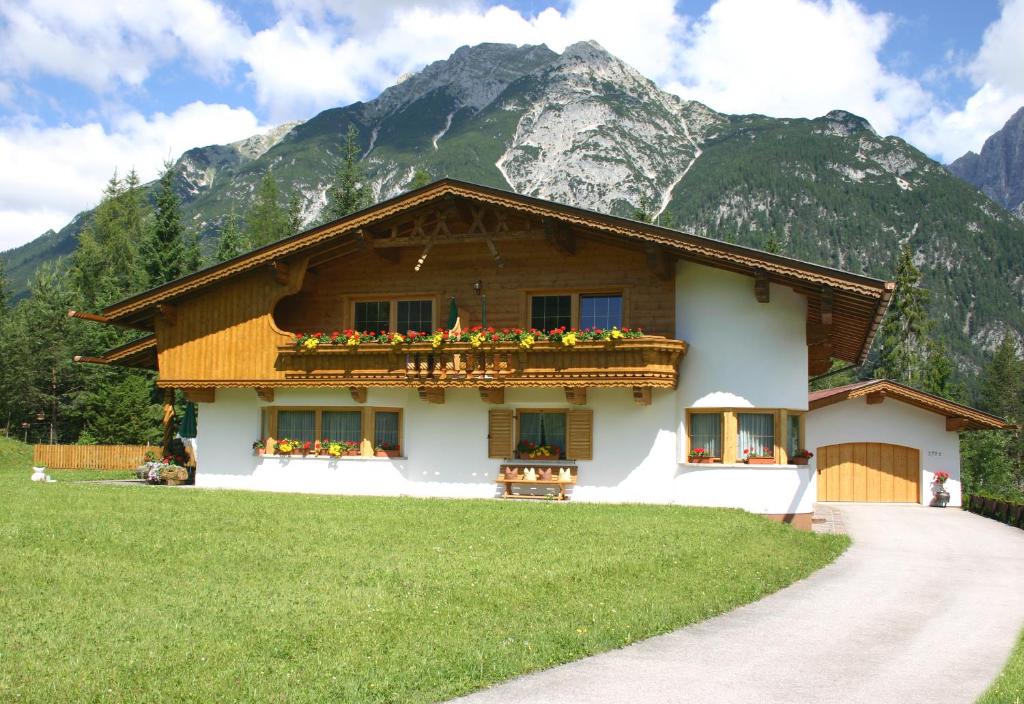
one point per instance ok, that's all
(646, 362)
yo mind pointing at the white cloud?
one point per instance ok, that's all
(106, 43)
(52, 173)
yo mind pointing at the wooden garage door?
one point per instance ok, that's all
(869, 471)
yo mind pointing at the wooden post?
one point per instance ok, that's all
(168, 419)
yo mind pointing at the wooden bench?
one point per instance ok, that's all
(555, 482)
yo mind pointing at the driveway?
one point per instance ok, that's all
(925, 606)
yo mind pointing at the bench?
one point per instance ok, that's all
(554, 482)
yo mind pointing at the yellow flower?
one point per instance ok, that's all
(352, 341)
(569, 339)
(436, 339)
(526, 342)
(397, 339)
(311, 343)
(616, 333)
(476, 339)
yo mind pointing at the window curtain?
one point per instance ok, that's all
(296, 425)
(531, 427)
(385, 430)
(756, 433)
(793, 443)
(342, 426)
(706, 432)
(554, 430)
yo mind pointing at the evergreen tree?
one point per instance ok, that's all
(986, 466)
(232, 241)
(420, 178)
(938, 374)
(192, 253)
(839, 378)
(295, 213)
(902, 337)
(772, 245)
(349, 191)
(1002, 383)
(165, 253)
(644, 210)
(5, 289)
(267, 221)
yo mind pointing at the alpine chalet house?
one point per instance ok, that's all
(465, 341)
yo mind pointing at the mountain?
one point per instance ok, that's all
(999, 170)
(582, 127)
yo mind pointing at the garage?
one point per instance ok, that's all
(878, 441)
(869, 471)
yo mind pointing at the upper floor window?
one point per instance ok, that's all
(576, 310)
(550, 312)
(600, 311)
(397, 315)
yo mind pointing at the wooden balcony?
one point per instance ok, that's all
(642, 363)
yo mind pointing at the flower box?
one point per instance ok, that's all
(760, 460)
(800, 461)
(705, 460)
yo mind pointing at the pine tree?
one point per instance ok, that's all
(938, 374)
(772, 245)
(232, 241)
(902, 337)
(5, 289)
(267, 221)
(1002, 383)
(295, 213)
(165, 253)
(349, 191)
(192, 253)
(644, 210)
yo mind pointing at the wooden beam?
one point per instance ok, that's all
(642, 395)
(90, 316)
(265, 393)
(168, 312)
(358, 393)
(432, 394)
(85, 359)
(576, 395)
(816, 367)
(168, 419)
(875, 397)
(458, 238)
(826, 306)
(661, 263)
(368, 241)
(762, 288)
(493, 395)
(201, 395)
(957, 424)
(280, 270)
(559, 236)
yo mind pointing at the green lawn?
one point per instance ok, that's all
(136, 593)
(1009, 687)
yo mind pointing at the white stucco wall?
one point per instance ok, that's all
(895, 423)
(742, 354)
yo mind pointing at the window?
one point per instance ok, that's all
(341, 426)
(756, 432)
(415, 315)
(543, 428)
(600, 311)
(706, 433)
(793, 436)
(385, 429)
(394, 315)
(550, 312)
(372, 316)
(297, 425)
(369, 427)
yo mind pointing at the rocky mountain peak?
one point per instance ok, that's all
(473, 76)
(843, 123)
(999, 169)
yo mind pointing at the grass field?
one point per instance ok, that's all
(136, 593)
(1009, 687)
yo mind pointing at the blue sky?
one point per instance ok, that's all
(89, 87)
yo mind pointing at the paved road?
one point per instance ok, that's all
(924, 607)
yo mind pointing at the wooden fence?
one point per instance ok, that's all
(90, 456)
(1009, 512)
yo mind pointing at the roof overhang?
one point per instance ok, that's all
(855, 303)
(139, 354)
(958, 416)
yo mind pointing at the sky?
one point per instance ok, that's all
(90, 87)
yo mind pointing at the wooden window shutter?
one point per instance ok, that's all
(499, 433)
(579, 435)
